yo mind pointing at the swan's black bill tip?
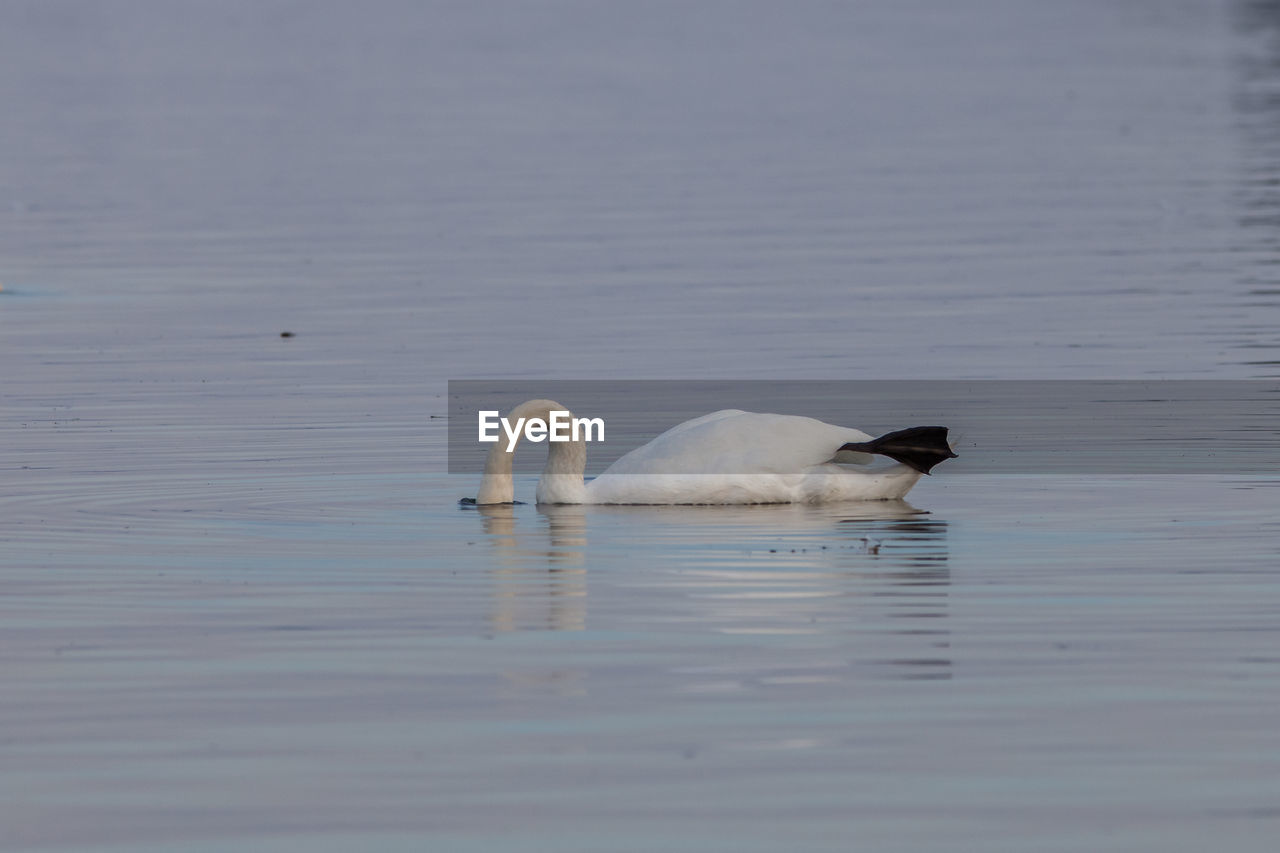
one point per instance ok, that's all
(471, 502)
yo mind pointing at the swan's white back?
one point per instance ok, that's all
(736, 457)
(736, 442)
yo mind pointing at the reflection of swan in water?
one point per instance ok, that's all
(726, 457)
(540, 581)
(762, 517)
(870, 579)
(562, 544)
(876, 570)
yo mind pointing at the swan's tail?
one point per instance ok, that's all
(917, 447)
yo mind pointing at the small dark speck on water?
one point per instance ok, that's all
(286, 334)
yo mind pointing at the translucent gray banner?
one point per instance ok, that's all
(1001, 427)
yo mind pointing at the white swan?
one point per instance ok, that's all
(727, 457)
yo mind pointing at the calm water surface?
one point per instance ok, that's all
(240, 607)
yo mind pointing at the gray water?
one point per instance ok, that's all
(240, 607)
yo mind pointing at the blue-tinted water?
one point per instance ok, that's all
(241, 608)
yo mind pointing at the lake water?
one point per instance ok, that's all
(240, 607)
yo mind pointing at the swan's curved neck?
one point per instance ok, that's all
(561, 481)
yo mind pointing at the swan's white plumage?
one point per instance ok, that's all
(726, 457)
(733, 441)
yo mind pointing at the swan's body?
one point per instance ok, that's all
(726, 457)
